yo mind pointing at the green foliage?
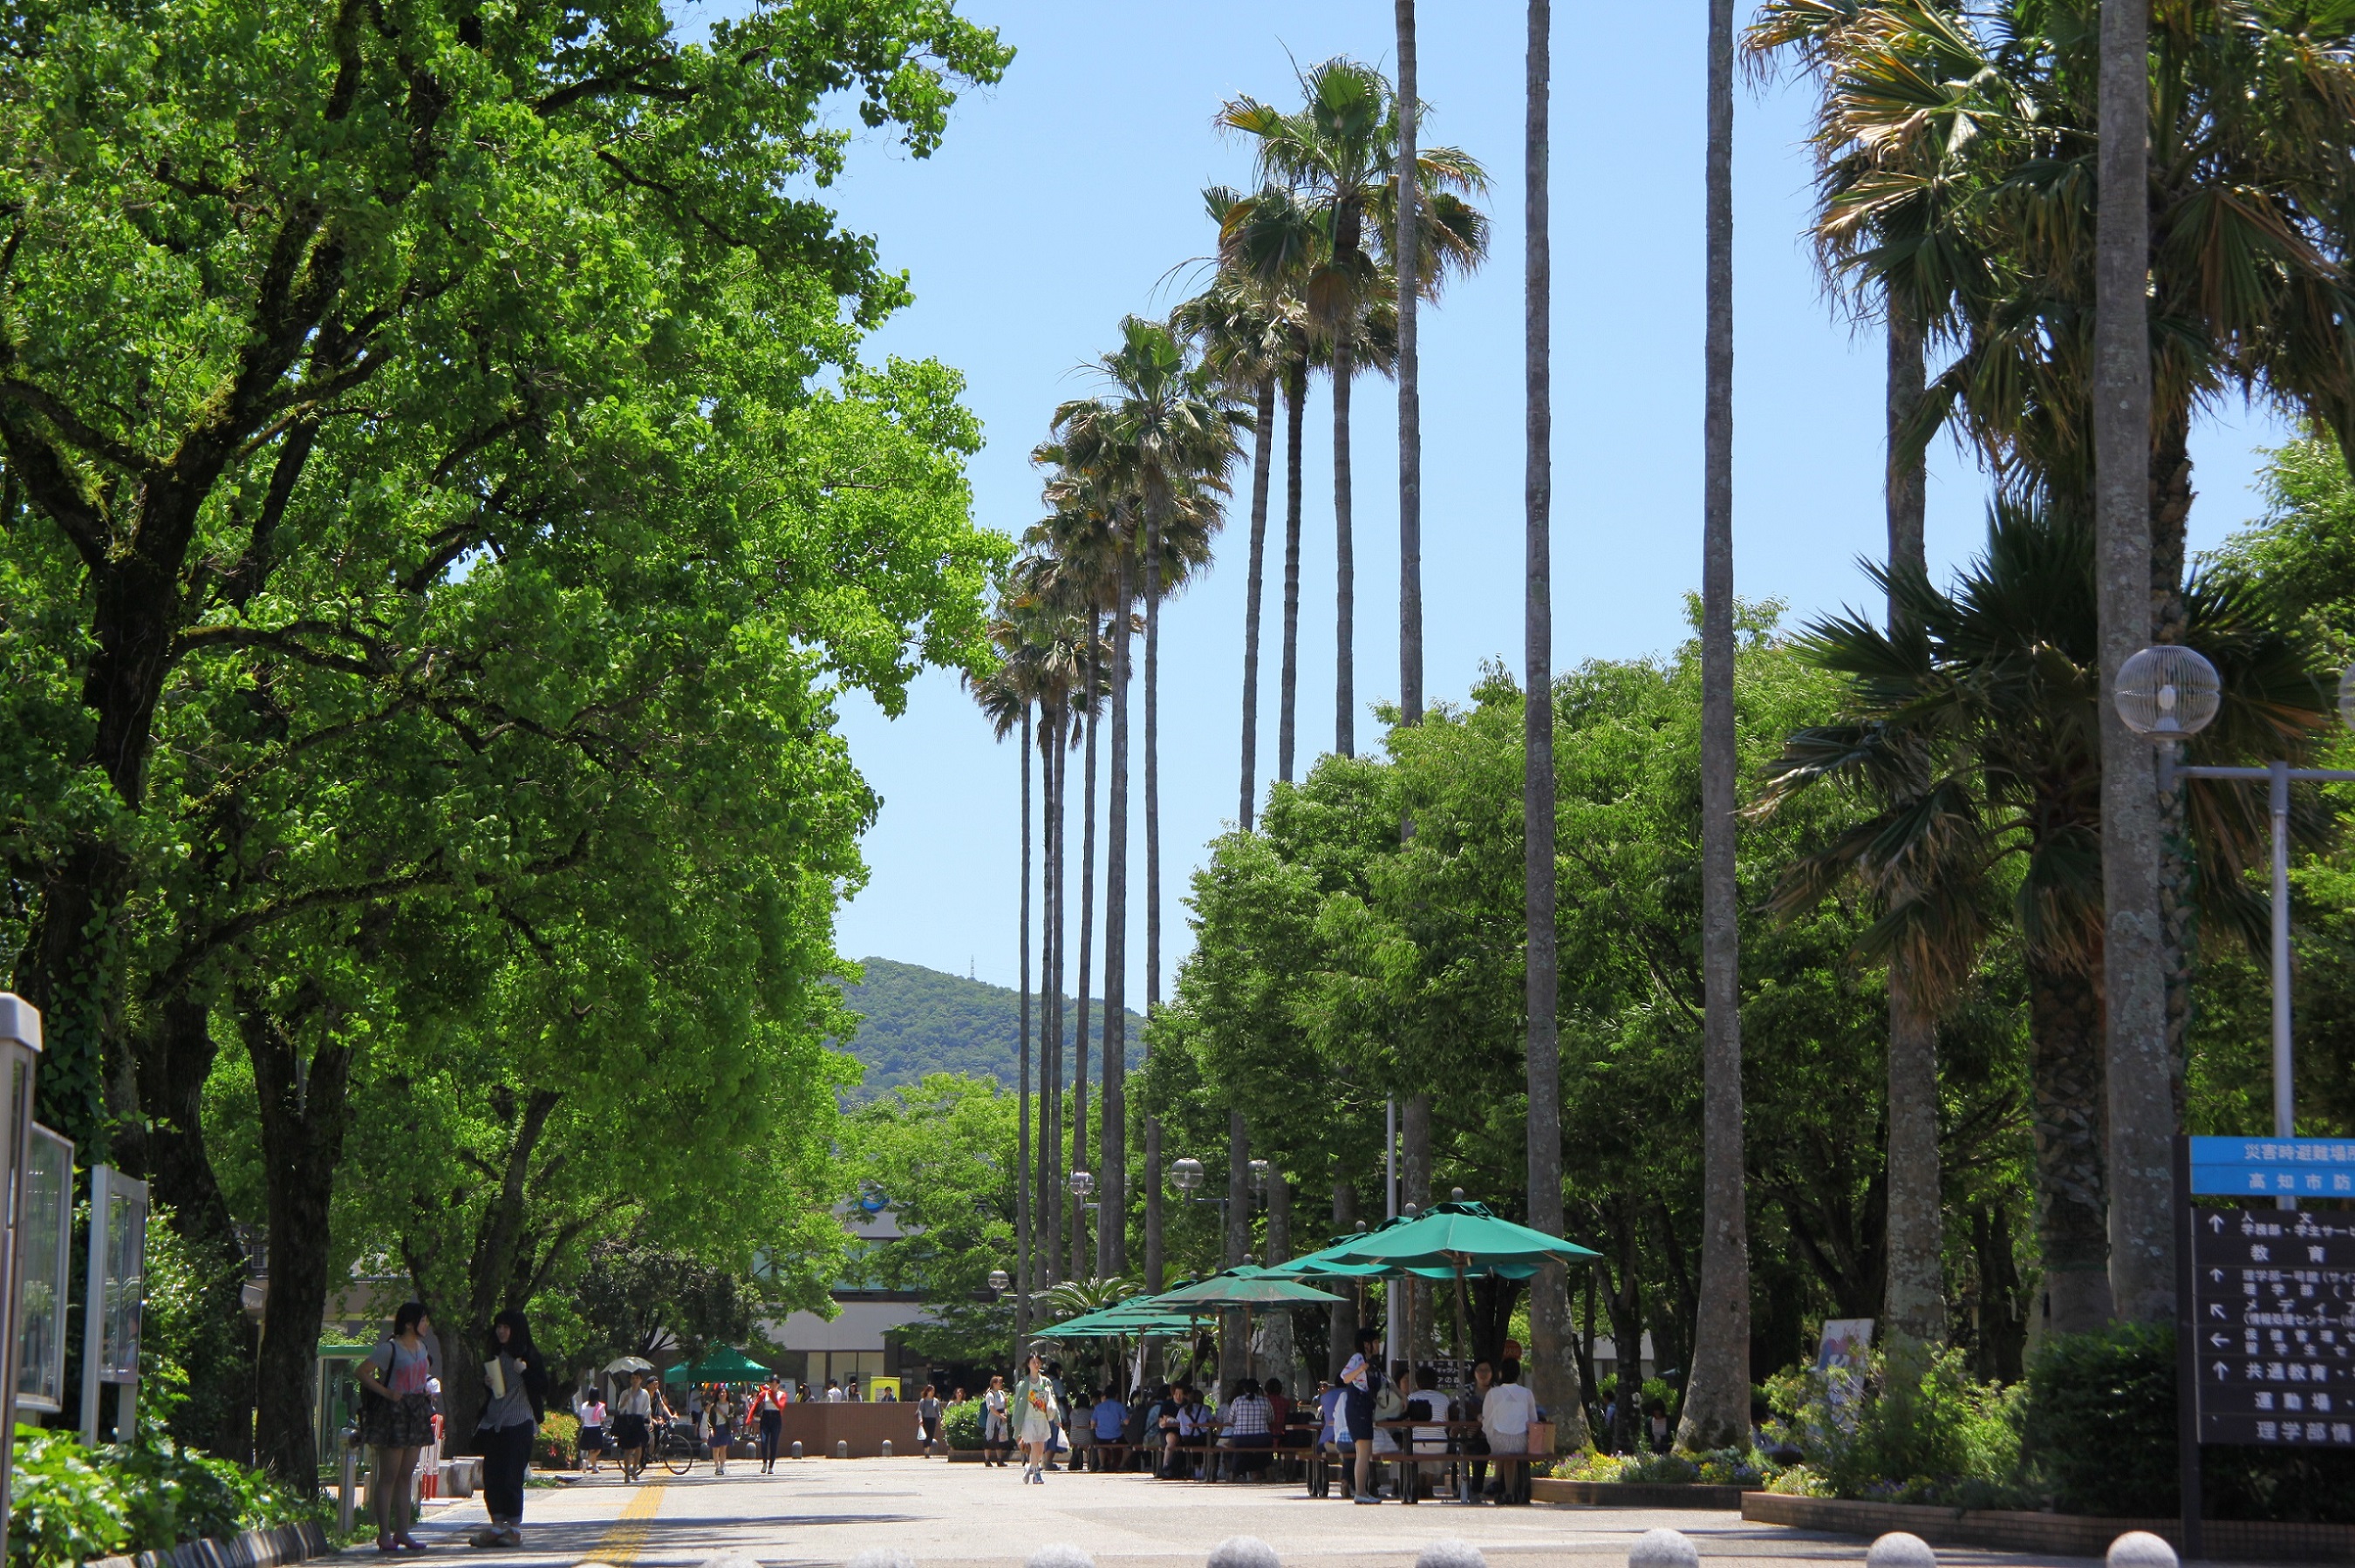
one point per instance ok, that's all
(963, 1423)
(2101, 1420)
(942, 1150)
(70, 1504)
(556, 1446)
(913, 1022)
(634, 1298)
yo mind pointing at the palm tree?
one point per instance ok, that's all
(1971, 736)
(2004, 254)
(1339, 151)
(1008, 697)
(1556, 1367)
(1717, 1395)
(1410, 379)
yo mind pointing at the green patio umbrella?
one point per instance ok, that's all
(722, 1365)
(1243, 1287)
(1459, 1235)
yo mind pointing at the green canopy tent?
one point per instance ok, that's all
(720, 1365)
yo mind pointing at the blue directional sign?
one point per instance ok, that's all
(2287, 1168)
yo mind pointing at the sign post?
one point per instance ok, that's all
(20, 1054)
(2265, 1318)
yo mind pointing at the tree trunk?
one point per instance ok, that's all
(2002, 1326)
(1345, 555)
(1410, 382)
(1623, 1301)
(1112, 1141)
(1915, 1306)
(1415, 1173)
(1278, 1351)
(170, 1152)
(1153, 1253)
(1341, 1317)
(1152, 757)
(2141, 1100)
(1091, 717)
(1024, 1275)
(1552, 1371)
(497, 1271)
(1234, 1330)
(2065, 1074)
(2178, 914)
(1717, 1394)
(1296, 409)
(305, 1111)
(1263, 454)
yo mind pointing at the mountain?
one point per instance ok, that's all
(914, 1021)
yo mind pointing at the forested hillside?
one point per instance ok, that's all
(919, 1021)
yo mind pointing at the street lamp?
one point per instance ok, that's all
(1081, 1184)
(999, 1280)
(1186, 1174)
(2168, 693)
(1259, 1176)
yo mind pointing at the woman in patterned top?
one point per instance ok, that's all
(398, 1380)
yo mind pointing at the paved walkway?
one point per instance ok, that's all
(822, 1511)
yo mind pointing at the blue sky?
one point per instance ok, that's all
(1063, 197)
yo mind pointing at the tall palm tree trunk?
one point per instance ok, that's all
(1554, 1366)
(1152, 757)
(1093, 721)
(1915, 1303)
(2170, 511)
(1341, 1317)
(1153, 1256)
(1262, 455)
(1111, 1232)
(1345, 555)
(2064, 1049)
(2141, 1100)
(1296, 409)
(1409, 385)
(1717, 1398)
(1024, 1282)
(1051, 1089)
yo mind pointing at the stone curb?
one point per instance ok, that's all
(253, 1549)
(2058, 1534)
(1633, 1494)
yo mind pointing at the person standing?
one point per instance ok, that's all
(398, 1382)
(722, 1411)
(634, 1425)
(517, 1385)
(1507, 1412)
(928, 1417)
(997, 1427)
(1036, 1407)
(591, 1410)
(1361, 1385)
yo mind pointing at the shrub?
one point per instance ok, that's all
(1916, 1429)
(557, 1445)
(2101, 1421)
(70, 1504)
(960, 1424)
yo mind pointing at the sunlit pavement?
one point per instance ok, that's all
(826, 1511)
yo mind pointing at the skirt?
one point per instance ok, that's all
(592, 1440)
(629, 1431)
(403, 1422)
(1036, 1426)
(719, 1437)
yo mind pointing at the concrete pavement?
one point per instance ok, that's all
(826, 1511)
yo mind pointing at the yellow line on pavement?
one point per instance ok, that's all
(632, 1530)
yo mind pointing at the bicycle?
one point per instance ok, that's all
(677, 1447)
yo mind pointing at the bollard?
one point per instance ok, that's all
(797, 1449)
(882, 1557)
(1898, 1549)
(1246, 1552)
(887, 1447)
(1061, 1554)
(2141, 1549)
(1451, 1555)
(1663, 1549)
(842, 1450)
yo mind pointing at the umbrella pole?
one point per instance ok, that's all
(1463, 1309)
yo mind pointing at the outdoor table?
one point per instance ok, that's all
(1411, 1460)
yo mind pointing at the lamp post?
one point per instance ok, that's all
(998, 1281)
(1081, 1183)
(2169, 693)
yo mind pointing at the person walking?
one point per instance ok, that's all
(997, 1427)
(769, 1412)
(1038, 1410)
(398, 1382)
(928, 1417)
(632, 1425)
(517, 1385)
(589, 1408)
(721, 1413)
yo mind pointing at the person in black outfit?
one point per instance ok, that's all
(516, 1384)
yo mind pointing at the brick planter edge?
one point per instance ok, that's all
(2061, 1534)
